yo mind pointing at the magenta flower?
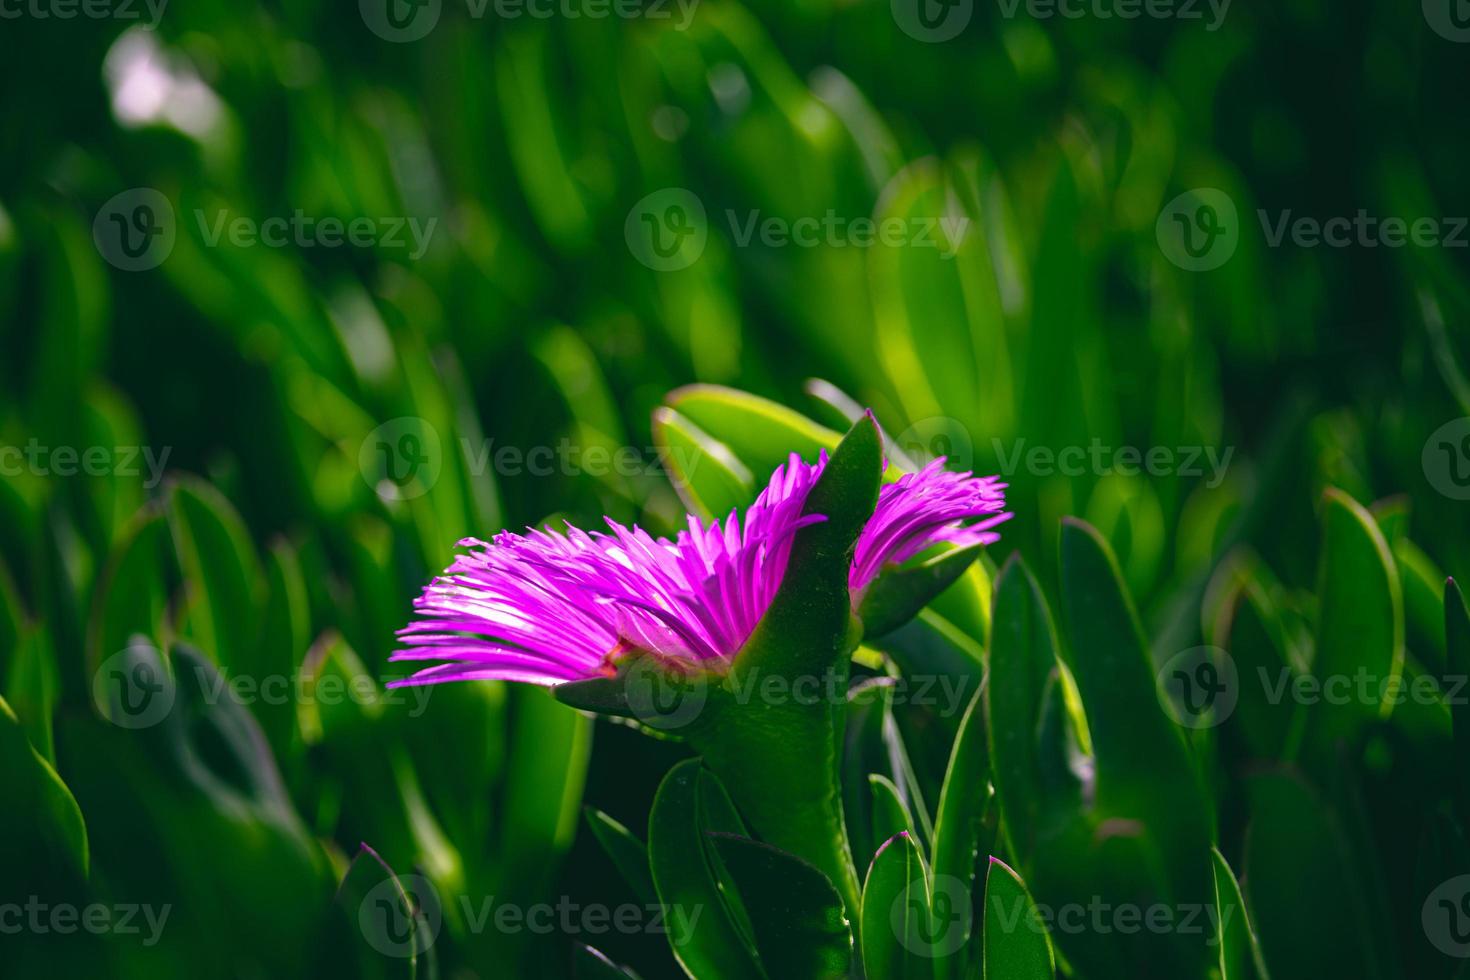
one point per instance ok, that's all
(553, 606)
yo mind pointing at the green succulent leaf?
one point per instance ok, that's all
(960, 830)
(1240, 950)
(220, 569)
(896, 913)
(1016, 945)
(1310, 908)
(1360, 624)
(375, 924)
(627, 853)
(41, 823)
(795, 913)
(716, 940)
(779, 756)
(890, 813)
(761, 433)
(900, 592)
(1023, 663)
(710, 479)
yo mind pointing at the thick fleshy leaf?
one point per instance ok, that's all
(1148, 789)
(717, 943)
(710, 479)
(1360, 625)
(794, 911)
(778, 756)
(627, 853)
(898, 593)
(1249, 628)
(959, 831)
(1240, 951)
(761, 433)
(281, 642)
(375, 928)
(1302, 884)
(896, 914)
(890, 814)
(1422, 585)
(40, 824)
(220, 569)
(1023, 646)
(1015, 941)
(130, 597)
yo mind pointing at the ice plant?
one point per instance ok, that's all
(783, 590)
(552, 606)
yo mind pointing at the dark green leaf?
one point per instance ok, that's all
(1015, 939)
(795, 913)
(628, 854)
(896, 924)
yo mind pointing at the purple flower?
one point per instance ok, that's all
(553, 606)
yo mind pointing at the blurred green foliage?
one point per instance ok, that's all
(261, 379)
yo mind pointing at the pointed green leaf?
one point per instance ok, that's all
(1023, 646)
(220, 569)
(1240, 951)
(890, 813)
(1360, 627)
(959, 831)
(708, 477)
(1301, 881)
(795, 913)
(375, 925)
(778, 757)
(762, 433)
(896, 915)
(899, 592)
(688, 804)
(1016, 946)
(40, 822)
(627, 853)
